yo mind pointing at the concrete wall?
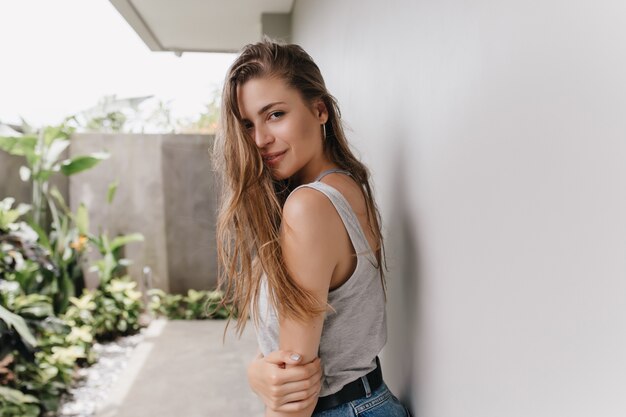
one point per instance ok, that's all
(165, 192)
(12, 186)
(495, 134)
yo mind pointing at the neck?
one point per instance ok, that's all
(311, 171)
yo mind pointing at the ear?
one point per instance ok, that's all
(320, 111)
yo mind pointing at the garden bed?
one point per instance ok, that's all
(94, 383)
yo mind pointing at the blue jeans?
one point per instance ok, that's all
(381, 403)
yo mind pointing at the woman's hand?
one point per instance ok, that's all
(282, 386)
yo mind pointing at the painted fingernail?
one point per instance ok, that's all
(295, 357)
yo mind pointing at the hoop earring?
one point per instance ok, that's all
(323, 131)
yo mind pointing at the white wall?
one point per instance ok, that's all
(496, 134)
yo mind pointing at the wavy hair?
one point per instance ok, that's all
(251, 202)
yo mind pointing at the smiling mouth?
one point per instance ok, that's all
(273, 158)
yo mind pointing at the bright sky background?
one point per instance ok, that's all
(58, 57)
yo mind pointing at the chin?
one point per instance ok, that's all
(278, 175)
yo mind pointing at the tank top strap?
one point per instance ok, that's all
(347, 214)
(330, 171)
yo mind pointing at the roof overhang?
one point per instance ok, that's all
(206, 25)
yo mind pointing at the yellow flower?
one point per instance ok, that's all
(79, 243)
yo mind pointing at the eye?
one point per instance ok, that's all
(247, 125)
(276, 114)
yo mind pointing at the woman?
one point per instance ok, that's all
(299, 240)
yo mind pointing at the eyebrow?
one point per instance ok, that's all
(267, 106)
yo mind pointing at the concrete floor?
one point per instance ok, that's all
(182, 369)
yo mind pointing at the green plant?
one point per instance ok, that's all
(112, 264)
(22, 258)
(14, 334)
(46, 370)
(37, 263)
(15, 403)
(195, 305)
(119, 308)
(42, 149)
(15, 337)
(107, 312)
(45, 331)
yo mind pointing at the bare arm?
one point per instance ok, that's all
(281, 388)
(308, 242)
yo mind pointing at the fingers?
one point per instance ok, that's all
(296, 373)
(282, 356)
(287, 389)
(302, 404)
(296, 390)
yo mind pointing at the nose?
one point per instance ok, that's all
(262, 136)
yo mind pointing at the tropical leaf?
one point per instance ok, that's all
(123, 240)
(111, 191)
(81, 163)
(56, 149)
(54, 192)
(18, 323)
(16, 396)
(43, 237)
(82, 219)
(22, 146)
(7, 143)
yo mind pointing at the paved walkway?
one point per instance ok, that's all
(182, 369)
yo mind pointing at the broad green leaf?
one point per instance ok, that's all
(123, 240)
(24, 145)
(8, 217)
(81, 163)
(105, 243)
(43, 236)
(56, 149)
(82, 219)
(19, 325)
(54, 192)
(39, 310)
(7, 143)
(67, 355)
(54, 133)
(80, 334)
(16, 396)
(111, 191)
(85, 302)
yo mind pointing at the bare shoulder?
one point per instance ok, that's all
(309, 209)
(309, 239)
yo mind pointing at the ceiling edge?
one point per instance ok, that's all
(134, 19)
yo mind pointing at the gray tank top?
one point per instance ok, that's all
(356, 332)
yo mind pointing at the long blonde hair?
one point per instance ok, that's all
(251, 203)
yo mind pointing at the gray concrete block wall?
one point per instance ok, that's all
(190, 204)
(12, 186)
(164, 192)
(10, 183)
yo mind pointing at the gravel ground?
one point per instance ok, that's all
(93, 384)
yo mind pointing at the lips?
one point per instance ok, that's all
(273, 157)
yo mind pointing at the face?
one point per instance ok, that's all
(286, 129)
